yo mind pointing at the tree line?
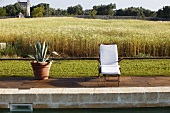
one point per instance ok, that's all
(44, 9)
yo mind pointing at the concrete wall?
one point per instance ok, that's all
(87, 97)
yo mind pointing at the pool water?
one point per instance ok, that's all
(113, 110)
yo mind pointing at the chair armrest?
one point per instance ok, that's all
(120, 59)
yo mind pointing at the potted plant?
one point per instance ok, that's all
(41, 63)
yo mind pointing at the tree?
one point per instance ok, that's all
(120, 12)
(60, 12)
(110, 8)
(87, 11)
(135, 11)
(10, 10)
(105, 9)
(47, 10)
(164, 13)
(37, 12)
(132, 11)
(79, 9)
(14, 10)
(159, 13)
(75, 10)
(147, 12)
(19, 9)
(2, 12)
(71, 10)
(93, 13)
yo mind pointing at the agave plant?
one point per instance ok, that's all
(39, 51)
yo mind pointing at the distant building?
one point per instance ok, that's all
(2, 45)
(25, 5)
(20, 15)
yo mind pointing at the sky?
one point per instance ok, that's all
(153, 5)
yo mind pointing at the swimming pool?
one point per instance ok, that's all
(111, 110)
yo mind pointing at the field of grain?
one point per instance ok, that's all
(77, 37)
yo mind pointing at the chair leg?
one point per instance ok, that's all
(105, 79)
(99, 78)
(99, 74)
(118, 80)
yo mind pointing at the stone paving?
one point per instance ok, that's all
(87, 82)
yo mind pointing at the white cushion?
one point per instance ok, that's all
(110, 69)
(108, 54)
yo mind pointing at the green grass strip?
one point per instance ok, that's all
(87, 68)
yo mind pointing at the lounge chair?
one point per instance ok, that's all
(108, 61)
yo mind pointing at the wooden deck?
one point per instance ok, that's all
(88, 82)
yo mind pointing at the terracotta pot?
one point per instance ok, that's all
(41, 70)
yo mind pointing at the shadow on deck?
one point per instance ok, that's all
(87, 82)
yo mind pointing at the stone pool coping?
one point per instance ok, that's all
(105, 97)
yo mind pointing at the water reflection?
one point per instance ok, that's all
(118, 110)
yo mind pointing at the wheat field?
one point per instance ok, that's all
(77, 37)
